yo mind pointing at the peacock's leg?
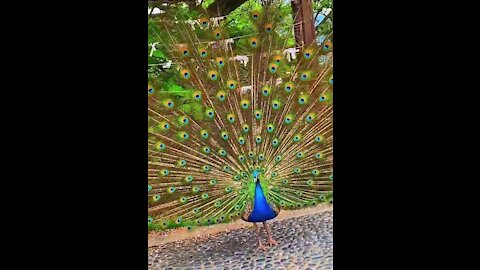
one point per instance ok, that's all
(271, 242)
(257, 231)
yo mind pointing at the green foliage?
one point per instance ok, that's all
(207, 3)
(319, 4)
(326, 26)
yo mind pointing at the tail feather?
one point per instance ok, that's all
(206, 137)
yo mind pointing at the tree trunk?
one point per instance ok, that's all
(304, 25)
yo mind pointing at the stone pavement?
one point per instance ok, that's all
(304, 242)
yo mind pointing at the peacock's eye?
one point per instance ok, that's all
(258, 114)
(266, 92)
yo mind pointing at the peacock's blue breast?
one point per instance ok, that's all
(261, 209)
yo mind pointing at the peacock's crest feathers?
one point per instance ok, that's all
(240, 104)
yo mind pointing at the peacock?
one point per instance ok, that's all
(247, 131)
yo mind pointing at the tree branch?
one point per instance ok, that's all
(316, 15)
(223, 7)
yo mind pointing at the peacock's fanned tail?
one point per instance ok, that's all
(272, 113)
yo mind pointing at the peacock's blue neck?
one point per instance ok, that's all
(261, 209)
(258, 189)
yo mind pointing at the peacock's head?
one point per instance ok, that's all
(256, 175)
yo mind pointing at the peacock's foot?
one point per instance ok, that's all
(272, 242)
(262, 247)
